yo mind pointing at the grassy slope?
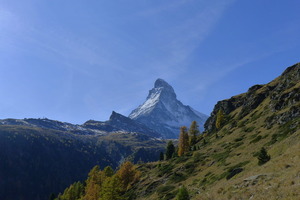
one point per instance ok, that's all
(204, 171)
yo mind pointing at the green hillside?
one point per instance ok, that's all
(34, 162)
(224, 163)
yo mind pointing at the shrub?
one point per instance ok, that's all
(190, 167)
(235, 145)
(248, 129)
(258, 138)
(177, 177)
(221, 157)
(234, 172)
(165, 189)
(197, 156)
(164, 169)
(239, 139)
(263, 156)
(183, 194)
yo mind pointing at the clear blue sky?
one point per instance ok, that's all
(75, 60)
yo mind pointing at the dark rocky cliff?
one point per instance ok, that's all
(283, 95)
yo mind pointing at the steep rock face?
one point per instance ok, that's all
(163, 113)
(283, 95)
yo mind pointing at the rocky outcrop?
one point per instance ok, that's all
(283, 93)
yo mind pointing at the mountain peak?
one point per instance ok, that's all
(161, 83)
(121, 122)
(164, 113)
(115, 115)
(162, 90)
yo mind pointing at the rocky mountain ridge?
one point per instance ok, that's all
(116, 123)
(283, 94)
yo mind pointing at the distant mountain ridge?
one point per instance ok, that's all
(160, 116)
(116, 122)
(165, 114)
(40, 156)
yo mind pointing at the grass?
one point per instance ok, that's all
(165, 169)
(165, 189)
(258, 138)
(208, 173)
(177, 177)
(248, 129)
(221, 157)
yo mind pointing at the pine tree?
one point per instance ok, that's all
(161, 156)
(216, 136)
(183, 144)
(263, 156)
(93, 184)
(108, 171)
(170, 150)
(73, 192)
(186, 142)
(193, 133)
(112, 189)
(182, 194)
(78, 190)
(128, 175)
(220, 119)
(52, 196)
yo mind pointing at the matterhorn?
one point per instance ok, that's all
(165, 114)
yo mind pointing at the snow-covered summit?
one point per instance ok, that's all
(162, 92)
(163, 113)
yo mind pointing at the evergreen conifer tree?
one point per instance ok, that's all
(93, 184)
(73, 192)
(220, 119)
(128, 175)
(170, 150)
(108, 171)
(182, 194)
(161, 156)
(263, 156)
(193, 133)
(52, 196)
(183, 144)
(112, 189)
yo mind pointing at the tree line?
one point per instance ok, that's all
(186, 142)
(103, 184)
